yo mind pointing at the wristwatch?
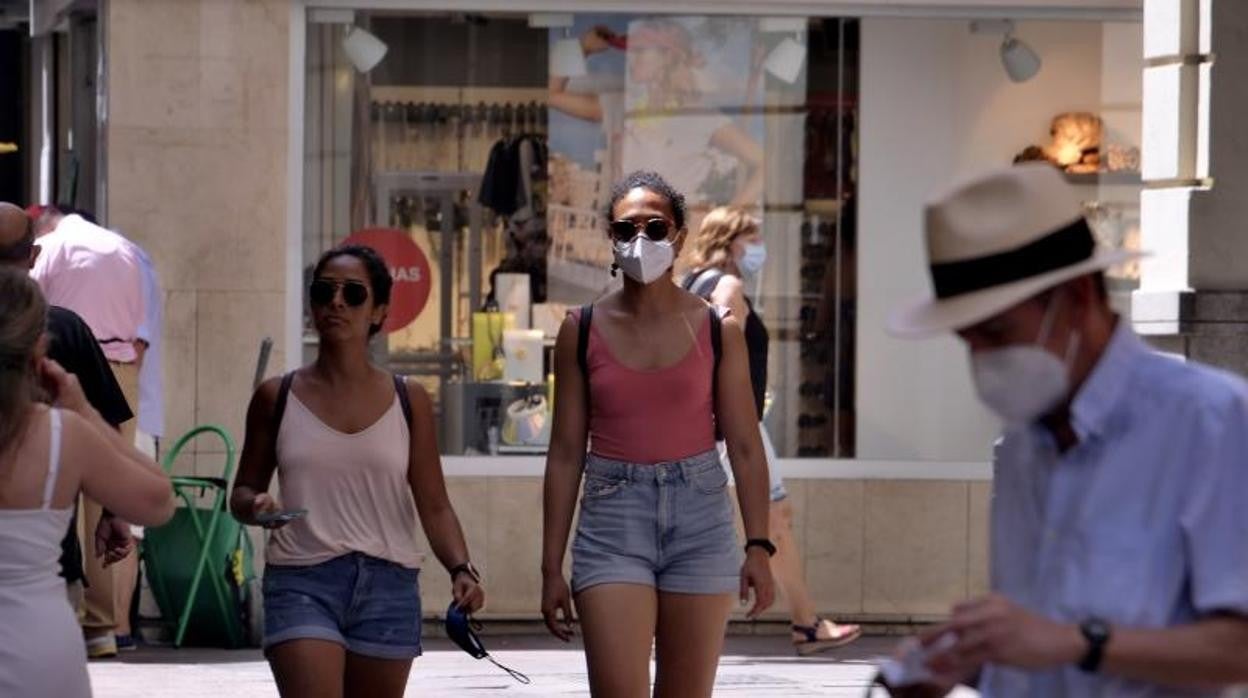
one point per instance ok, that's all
(1097, 633)
(466, 568)
(763, 543)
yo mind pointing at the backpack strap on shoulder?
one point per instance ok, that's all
(703, 282)
(717, 347)
(279, 406)
(582, 345)
(405, 400)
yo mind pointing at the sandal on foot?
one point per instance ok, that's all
(814, 644)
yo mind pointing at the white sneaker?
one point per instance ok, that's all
(102, 647)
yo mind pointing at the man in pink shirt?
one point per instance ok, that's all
(97, 274)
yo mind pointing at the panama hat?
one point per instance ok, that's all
(996, 240)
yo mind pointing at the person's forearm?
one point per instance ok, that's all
(445, 535)
(241, 500)
(558, 506)
(751, 193)
(112, 435)
(1208, 653)
(753, 489)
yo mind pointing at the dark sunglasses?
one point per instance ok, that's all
(657, 229)
(322, 292)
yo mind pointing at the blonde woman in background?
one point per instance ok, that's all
(48, 454)
(729, 246)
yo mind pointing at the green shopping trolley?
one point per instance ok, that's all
(199, 565)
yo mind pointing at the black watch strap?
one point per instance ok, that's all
(1096, 632)
(761, 543)
(466, 568)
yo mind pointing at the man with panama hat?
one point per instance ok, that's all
(1119, 532)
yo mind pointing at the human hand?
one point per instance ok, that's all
(756, 575)
(63, 387)
(557, 598)
(140, 350)
(995, 630)
(113, 539)
(264, 503)
(906, 673)
(468, 593)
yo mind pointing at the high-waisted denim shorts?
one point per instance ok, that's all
(367, 605)
(669, 526)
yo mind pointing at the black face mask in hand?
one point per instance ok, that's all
(462, 630)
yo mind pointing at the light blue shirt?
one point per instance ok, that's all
(151, 373)
(1143, 523)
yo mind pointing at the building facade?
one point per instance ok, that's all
(240, 139)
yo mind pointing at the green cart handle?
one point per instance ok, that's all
(172, 456)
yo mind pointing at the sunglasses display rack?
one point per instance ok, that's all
(824, 414)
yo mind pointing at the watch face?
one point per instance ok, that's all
(1096, 629)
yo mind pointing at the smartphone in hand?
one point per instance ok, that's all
(278, 517)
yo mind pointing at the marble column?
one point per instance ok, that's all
(1193, 296)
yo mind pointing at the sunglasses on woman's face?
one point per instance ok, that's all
(657, 229)
(322, 292)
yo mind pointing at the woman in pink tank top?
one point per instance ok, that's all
(355, 453)
(645, 377)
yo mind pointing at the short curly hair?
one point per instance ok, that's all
(646, 179)
(379, 278)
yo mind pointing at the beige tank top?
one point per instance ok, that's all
(354, 487)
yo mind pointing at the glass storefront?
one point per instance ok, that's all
(479, 152)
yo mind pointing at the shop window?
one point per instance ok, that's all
(491, 141)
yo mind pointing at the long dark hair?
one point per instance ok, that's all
(23, 320)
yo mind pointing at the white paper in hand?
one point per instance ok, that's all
(910, 667)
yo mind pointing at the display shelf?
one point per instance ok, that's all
(1098, 178)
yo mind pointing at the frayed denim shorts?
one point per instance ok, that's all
(669, 526)
(369, 606)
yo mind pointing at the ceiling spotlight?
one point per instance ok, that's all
(363, 49)
(1020, 61)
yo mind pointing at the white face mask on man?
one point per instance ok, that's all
(1023, 383)
(643, 260)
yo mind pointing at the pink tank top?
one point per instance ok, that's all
(650, 417)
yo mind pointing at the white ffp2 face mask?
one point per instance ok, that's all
(643, 260)
(1023, 383)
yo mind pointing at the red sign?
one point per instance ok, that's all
(409, 267)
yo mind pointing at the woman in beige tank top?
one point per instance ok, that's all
(356, 457)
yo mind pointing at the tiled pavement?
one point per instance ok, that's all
(751, 666)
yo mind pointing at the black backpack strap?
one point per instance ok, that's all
(405, 400)
(717, 352)
(717, 347)
(582, 346)
(703, 282)
(279, 406)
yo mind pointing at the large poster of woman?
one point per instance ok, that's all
(676, 95)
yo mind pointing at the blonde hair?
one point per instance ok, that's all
(712, 245)
(23, 320)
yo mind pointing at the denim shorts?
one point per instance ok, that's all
(369, 606)
(669, 526)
